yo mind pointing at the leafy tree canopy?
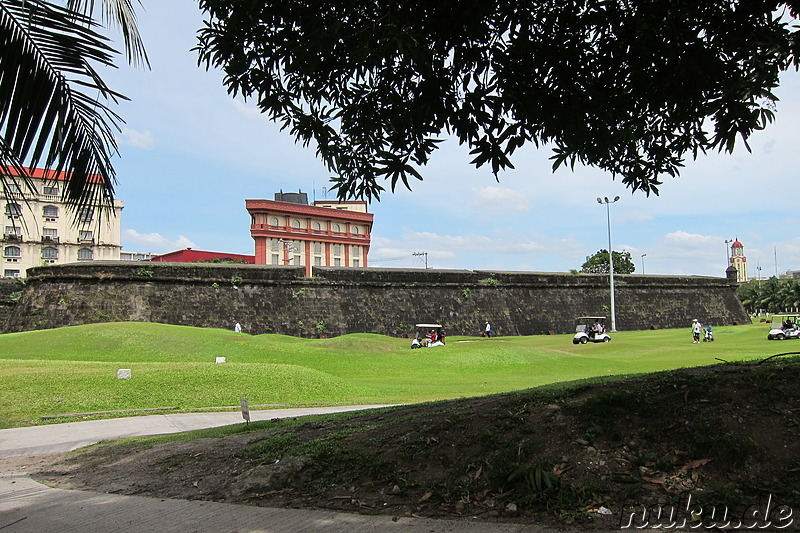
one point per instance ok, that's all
(631, 87)
(598, 263)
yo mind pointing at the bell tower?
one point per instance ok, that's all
(739, 261)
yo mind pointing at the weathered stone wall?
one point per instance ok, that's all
(338, 301)
(9, 288)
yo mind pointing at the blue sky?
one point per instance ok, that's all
(190, 155)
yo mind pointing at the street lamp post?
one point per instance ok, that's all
(608, 203)
(643, 256)
(422, 254)
(728, 251)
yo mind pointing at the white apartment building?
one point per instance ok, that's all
(39, 228)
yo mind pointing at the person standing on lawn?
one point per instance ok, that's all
(697, 327)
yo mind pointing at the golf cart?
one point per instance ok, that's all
(428, 336)
(590, 329)
(784, 327)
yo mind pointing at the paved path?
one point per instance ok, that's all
(30, 507)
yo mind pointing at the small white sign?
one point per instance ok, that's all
(245, 409)
(220, 360)
(124, 373)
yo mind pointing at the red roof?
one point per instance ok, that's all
(192, 256)
(47, 174)
(737, 244)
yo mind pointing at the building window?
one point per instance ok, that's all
(317, 261)
(337, 249)
(297, 260)
(354, 230)
(275, 245)
(13, 231)
(49, 235)
(273, 221)
(275, 259)
(85, 235)
(356, 263)
(12, 251)
(13, 188)
(50, 211)
(337, 228)
(11, 273)
(13, 210)
(85, 254)
(295, 223)
(317, 226)
(317, 247)
(49, 253)
(50, 191)
(86, 214)
(337, 262)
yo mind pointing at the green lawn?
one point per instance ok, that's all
(73, 369)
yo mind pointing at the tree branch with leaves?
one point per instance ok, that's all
(633, 88)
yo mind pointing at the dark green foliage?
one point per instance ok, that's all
(217, 260)
(598, 263)
(632, 88)
(774, 295)
(145, 272)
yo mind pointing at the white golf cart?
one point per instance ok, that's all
(784, 327)
(590, 329)
(428, 336)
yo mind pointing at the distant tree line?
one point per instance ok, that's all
(773, 295)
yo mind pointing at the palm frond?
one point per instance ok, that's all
(53, 104)
(120, 14)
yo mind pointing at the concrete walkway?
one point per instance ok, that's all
(30, 507)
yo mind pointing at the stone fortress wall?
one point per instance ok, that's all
(10, 290)
(337, 301)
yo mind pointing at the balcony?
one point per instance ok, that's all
(272, 230)
(48, 239)
(12, 237)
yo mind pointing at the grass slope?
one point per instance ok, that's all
(73, 369)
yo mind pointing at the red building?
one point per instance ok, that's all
(193, 256)
(288, 231)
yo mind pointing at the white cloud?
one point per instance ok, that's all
(501, 199)
(693, 241)
(153, 242)
(138, 139)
